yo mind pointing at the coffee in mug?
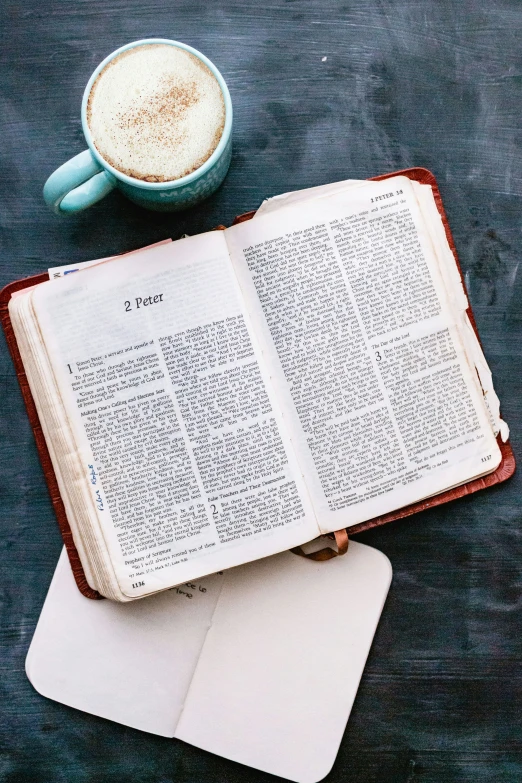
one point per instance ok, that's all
(156, 112)
(157, 118)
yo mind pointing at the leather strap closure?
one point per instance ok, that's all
(341, 540)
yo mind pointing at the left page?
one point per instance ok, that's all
(177, 429)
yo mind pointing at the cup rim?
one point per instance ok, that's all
(172, 183)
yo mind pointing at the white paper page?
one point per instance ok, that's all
(279, 670)
(57, 272)
(455, 289)
(454, 286)
(281, 664)
(297, 196)
(159, 370)
(358, 434)
(130, 663)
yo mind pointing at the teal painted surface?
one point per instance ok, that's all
(409, 82)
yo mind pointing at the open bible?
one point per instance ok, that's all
(230, 395)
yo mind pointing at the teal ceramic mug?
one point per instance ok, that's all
(87, 178)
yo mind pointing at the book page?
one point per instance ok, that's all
(59, 438)
(179, 436)
(56, 272)
(457, 298)
(381, 400)
(298, 196)
(459, 302)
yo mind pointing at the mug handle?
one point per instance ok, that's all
(77, 184)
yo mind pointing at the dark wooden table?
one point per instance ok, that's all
(322, 91)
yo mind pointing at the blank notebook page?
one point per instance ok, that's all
(281, 664)
(261, 665)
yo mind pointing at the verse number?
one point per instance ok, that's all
(486, 459)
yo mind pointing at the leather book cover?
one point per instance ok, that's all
(504, 471)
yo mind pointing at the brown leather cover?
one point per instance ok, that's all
(502, 473)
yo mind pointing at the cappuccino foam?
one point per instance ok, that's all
(156, 112)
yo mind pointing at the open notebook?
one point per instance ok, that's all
(260, 664)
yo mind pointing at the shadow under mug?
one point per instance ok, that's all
(87, 178)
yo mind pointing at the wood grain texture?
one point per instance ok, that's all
(405, 83)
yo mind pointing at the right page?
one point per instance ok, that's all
(364, 340)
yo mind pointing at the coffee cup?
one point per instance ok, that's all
(91, 175)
